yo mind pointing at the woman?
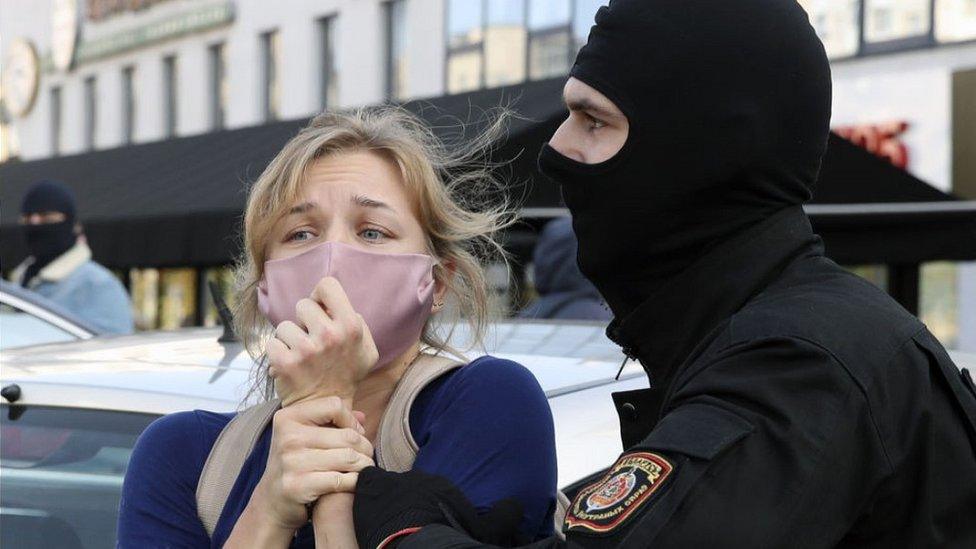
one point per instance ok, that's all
(353, 240)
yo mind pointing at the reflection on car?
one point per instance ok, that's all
(73, 412)
(27, 318)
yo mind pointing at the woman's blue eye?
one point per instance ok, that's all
(300, 236)
(371, 234)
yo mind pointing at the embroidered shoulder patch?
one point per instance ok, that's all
(605, 504)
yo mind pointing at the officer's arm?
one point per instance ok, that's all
(768, 445)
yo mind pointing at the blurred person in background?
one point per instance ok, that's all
(60, 266)
(564, 293)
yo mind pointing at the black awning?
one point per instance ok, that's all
(178, 202)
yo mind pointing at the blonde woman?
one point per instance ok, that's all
(356, 234)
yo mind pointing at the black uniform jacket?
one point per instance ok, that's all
(793, 405)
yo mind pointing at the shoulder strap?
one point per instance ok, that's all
(396, 448)
(223, 465)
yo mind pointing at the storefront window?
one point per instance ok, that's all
(178, 298)
(223, 277)
(144, 288)
(836, 23)
(889, 20)
(955, 20)
(875, 274)
(505, 42)
(939, 301)
(549, 38)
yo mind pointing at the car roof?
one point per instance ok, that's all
(37, 300)
(162, 372)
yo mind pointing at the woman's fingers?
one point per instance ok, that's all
(330, 482)
(329, 293)
(326, 438)
(343, 460)
(292, 336)
(312, 316)
(321, 412)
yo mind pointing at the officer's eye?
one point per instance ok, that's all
(593, 123)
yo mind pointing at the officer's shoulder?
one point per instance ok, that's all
(97, 274)
(829, 307)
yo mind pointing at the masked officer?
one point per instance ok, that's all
(792, 404)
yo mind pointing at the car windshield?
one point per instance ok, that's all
(19, 329)
(61, 472)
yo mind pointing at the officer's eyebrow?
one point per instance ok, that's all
(586, 104)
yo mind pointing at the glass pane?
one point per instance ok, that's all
(463, 23)
(549, 55)
(144, 285)
(464, 71)
(546, 14)
(329, 75)
(583, 15)
(836, 23)
(938, 301)
(955, 20)
(895, 19)
(178, 298)
(875, 274)
(19, 329)
(396, 49)
(224, 278)
(506, 12)
(505, 43)
(62, 472)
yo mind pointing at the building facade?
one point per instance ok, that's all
(146, 70)
(82, 75)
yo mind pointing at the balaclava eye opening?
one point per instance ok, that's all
(728, 105)
(47, 241)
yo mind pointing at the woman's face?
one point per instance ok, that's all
(356, 198)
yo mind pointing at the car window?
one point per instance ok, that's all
(61, 472)
(19, 329)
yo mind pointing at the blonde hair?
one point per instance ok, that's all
(459, 204)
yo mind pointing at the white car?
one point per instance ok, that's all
(27, 318)
(73, 411)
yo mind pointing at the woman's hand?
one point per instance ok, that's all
(317, 448)
(328, 353)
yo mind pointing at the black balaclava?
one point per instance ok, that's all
(46, 242)
(728, 104)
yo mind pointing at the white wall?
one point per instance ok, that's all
(359, 60)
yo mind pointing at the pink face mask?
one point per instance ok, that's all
(393, 292)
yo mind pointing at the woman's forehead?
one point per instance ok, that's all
(343, 175)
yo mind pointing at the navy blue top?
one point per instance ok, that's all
(486, 427)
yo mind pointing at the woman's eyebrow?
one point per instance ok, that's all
(302, 208)
(367, 202)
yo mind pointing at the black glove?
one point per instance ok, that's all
(388, 504)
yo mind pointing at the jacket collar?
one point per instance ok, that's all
(666, 328)
(57, 270)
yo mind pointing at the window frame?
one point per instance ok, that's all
(170, 96)
(90, 86)
(328, 75)
(56, 120)
(217, 74)
(128, 104)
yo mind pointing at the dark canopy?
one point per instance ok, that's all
(178, 202)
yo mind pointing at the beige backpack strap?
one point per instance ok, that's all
(396, 448)
(559, 516)
(223, 465)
